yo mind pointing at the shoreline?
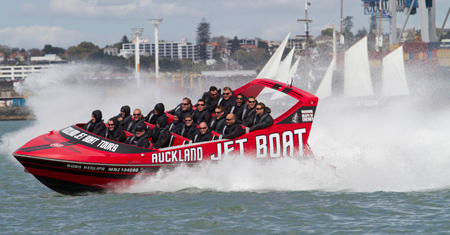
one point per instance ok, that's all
(16, 113)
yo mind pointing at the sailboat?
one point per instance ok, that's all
(357, 78)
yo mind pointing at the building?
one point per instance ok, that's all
(47, 59)
(244, 43)
(18, 73)
(174, 50)
(113, 51)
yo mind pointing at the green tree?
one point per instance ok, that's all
(327, 32)
(235, 45)
(360, 34)
(49, 49)
(203, 37)
(347, 31)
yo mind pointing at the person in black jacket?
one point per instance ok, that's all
(248, 110)
(182, 109)
(139, 139)
(175, 125)
(96, 125)
(188, 128)
(240, 101)
(211, 98)
(218, 121)
(203, 133)
(114, 131)
(201, 114)
(227, 101)
(155, 133)
(232, 129)
(261, 119)
(137, 119)
(157, 112)
(124, 116)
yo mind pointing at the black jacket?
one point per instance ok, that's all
(187, 131)
(174, 126)
(151, 117)
(131, 126)
(138, 141)
(233, 131)
(127, 117)
(117, 134)
(216, 125)
(243, 113)
(98, 127)
(227, 104)
(204, 116)
(199, 137)
(179, 111)
(210, 102)
(259, 122)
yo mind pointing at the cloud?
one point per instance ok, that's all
(36, 36)
(130, 10)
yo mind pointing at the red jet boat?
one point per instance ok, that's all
(74, 161)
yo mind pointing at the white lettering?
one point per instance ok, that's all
(288, 142)
(261, 146)
(226, 147)
(274, 145)
(299, 133)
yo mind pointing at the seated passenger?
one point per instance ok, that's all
(211, 98)
(218, 121)
(124, 116)
(240, 101)
(157, 130)
(201, 114)
(96, 125)
(137, 119)
(175, 125)
(227, 101)
(261, 119)
(139, 139)
(248, 110)
(157, 112)
(114, 131)
(188, 128)
(204, 134)
(182, 109)
(232, 129)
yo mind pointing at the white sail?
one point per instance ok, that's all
(324, 89)
(292, 71)
(285, 67)
(394, 77)
(270, 70)
(357, 81)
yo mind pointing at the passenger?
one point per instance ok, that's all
(201, 114)
(247, 111)
(137, 119)
(96, 125)
(139, 139)
(240, 101)
(157, 112)
(218, 121)
(182, 109)
(155, 133)
(211, 98)
(114, 131)
(124, 116)
(188, 128)
(163, 138)
(261, 119)
(227, 101)
(175, 125)
(232, 129)
(204, 134)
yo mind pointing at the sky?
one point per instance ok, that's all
(63, 23)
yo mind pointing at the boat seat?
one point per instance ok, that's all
(176, 140)
(216, 135)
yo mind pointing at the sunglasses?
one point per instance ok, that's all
(184, 104)
(136, 114)
(188, 120)
(228, 120)
(201, 104)
(252, 102)
(110, 124)
(214, 94)
(258, 108)
(227, 93)
(219, 112)
(239, 98)
(202, 128)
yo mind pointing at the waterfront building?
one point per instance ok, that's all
(18, 73)
(182, 50)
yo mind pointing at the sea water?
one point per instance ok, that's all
(377, 170)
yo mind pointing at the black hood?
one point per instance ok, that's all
(160, 108)
(162, 121)
(116, 123)
(127, 110)
(98, 115)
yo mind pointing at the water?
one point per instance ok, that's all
(391, 174)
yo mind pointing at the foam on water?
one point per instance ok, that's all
(401, 145)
